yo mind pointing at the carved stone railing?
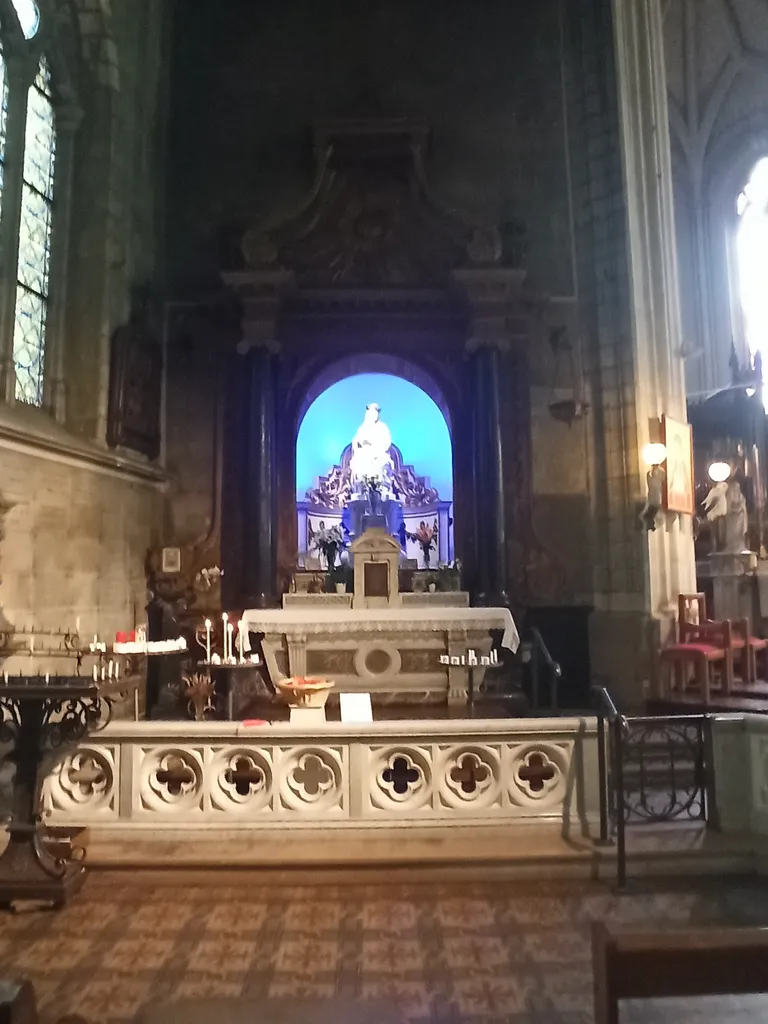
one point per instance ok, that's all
(150, 775)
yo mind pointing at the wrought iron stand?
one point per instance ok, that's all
(37, 717)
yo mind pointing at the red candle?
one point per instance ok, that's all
(121, 638)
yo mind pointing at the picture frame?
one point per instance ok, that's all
(171, 560)
(678, 478)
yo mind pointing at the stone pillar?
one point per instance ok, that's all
(259, 545)
(630, 305)
(488, 474)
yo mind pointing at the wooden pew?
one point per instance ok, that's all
(19, 1006)
(696, 962)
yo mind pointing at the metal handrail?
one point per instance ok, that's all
(555, 671)
(613, 732)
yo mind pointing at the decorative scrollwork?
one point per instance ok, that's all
(333, 491)
(665, 772)
(10, 720)
(67, 720)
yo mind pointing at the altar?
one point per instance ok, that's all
(392, 653)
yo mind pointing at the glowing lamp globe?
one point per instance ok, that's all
(654, 453)
(719, 472)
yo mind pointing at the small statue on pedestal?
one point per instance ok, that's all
(736, 520)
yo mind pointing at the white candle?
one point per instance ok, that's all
(110, 669)
(208, 640)
(230, 631)
(225, 619)
(117, 670)
(95, 641)
(47, 678)
(5, 678)
(31, 645)
(77, 624)
(95, 674)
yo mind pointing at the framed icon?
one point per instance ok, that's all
(171, 560)
(678, 481)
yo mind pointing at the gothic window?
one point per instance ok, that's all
(752, 258)
(35, 239)
(28, 14)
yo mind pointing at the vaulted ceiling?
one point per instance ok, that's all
(717, 72)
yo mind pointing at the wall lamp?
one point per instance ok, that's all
(654, 454)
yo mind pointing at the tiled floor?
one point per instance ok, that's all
(469, 952)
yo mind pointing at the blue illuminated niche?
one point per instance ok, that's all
(416, 423)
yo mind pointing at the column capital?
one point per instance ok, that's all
(246, 345)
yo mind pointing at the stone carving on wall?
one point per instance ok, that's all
(135, 382)
(370, 220)
(334, 490)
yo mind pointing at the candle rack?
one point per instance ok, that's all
(31, 642)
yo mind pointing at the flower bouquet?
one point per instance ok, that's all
(305, 691)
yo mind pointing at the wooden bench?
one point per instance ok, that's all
(655, 965)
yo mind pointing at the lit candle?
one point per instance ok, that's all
(208, 640)
(95, 641)
(225, 619)
(31, 645)
(102, 673)
(47, 678)
(5, 678)
(95, 674)
(230, 631)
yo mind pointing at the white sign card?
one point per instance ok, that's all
(356, 707)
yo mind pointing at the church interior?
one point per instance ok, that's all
(383, 511)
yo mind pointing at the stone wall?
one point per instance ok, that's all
(75, 534)
(79, 518)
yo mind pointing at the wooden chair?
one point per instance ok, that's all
(692, 610)
(707, 648)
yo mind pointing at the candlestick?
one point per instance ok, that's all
(225, 620)
(208, 640)
(230, 631)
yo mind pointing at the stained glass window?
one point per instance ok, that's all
(35, 240)
(28, 14)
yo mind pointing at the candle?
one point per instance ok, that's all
(5, 678)
(225, 619)
(77, 624)
(95, 674)
(47, 678)
(110, 669)
(230, 631)
(117, 670)
(95, 641)
(31, 645)
(208, 640)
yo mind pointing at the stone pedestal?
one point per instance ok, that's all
(307, 718)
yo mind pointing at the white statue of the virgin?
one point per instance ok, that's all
(370, 450)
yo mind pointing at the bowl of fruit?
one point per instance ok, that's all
(305, 691)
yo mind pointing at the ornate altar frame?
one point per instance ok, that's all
(372, 272)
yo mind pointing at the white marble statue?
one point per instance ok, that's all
(715, 504)
(371, 460)
(736, 520)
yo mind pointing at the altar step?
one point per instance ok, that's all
(428, 854)
(719, 703)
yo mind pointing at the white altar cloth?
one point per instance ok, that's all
(336, 620)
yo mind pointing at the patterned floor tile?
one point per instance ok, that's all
(447, 953)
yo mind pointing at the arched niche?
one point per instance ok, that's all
(421, 452)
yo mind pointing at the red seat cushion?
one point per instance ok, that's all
(710, 652)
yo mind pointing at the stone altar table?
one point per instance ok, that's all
(391, 653)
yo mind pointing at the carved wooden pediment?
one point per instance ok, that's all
(334, 490)
(370, 221)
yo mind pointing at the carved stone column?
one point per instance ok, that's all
(488, 473)
(260, 474)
